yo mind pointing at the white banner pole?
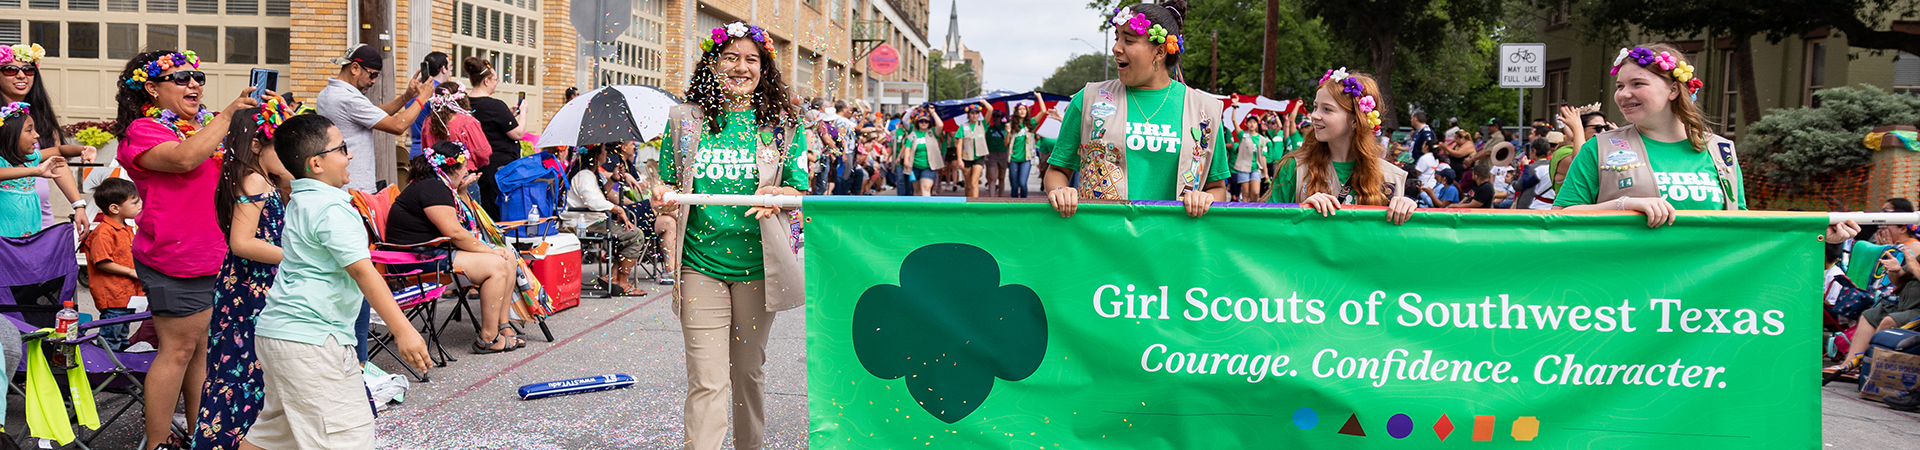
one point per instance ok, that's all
(782, 201)
(1875, 218)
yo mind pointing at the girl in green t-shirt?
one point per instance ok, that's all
(722, 293)
(1023, 130)
(1148, 160)
(920, 156)
(1662, 162)
(1341, 156)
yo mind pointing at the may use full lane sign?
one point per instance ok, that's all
(1523, 65)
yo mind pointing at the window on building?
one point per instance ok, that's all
(162, 36)
(9, 4)
(9, 32)
(243, 7)
(83, 5)
(47, 34)
(280, 8)
(83, 40)
(1906, 74)
(203, 6)
(43, 4)
(1729, 97)
(163, 6)
(1816, 71)
(123, 40)
(123, 5)
(278, 42)
(243, 45)
(1556, 91)
(204, 41)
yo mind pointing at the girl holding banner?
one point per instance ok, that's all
(1338, 164)
(1145, 135)
(1666, 158)
(920, 154)
(737, 134)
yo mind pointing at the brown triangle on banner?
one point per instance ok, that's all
(1352, 427)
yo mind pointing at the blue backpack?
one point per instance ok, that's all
(529, 190)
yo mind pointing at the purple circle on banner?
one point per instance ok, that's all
(1399, 426)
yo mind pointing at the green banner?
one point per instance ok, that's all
(983, 325)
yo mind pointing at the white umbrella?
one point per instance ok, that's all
(610, 114)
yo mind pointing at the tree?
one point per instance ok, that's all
(946, 83)
(1793, 145)
(1074, 75)
(1385, 30)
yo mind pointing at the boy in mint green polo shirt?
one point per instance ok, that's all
(310, 373)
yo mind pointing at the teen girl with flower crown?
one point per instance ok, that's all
(179, 246)
(1340, 161)
(737, 134)
(1665, 159)
(1146, 135)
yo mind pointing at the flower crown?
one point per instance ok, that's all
(22, 53)
(272, 114)
(450, 99)
(721, 35)
(158, 66)
(1171, 43)
(439, 160)
(15, 109)
(1664, 61)
(1369, 108)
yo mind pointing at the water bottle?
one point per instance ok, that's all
(64, 320)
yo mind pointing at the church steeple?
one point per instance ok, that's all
(953, 32)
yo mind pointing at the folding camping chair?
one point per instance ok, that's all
(424, 289)
(41, 277)
(109, 371)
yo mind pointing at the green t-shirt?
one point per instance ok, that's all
(1553, 163)
(1019, 143)
(1283, 188)
(997, 139)
(1152, 145)
(1687, 178)
(1258, 140)
(722, 242)
(916, 142)
(1280, 147)
(966, 132)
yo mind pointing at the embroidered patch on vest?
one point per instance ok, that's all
(1104, 110)
(1726, 153)
(1106, 96)
(1622, 157)
(1618, 143)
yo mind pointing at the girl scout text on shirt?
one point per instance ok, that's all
(726, 164)
(1152, 137)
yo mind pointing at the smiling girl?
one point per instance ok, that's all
(1340, 162)
(737, 134)
(1146, 135)
(1665, 159)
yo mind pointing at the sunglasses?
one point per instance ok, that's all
(182, 77)
(16, 70)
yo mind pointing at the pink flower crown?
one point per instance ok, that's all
(15, 109)
(1138, 23)
(1664, 62)
(22, 53)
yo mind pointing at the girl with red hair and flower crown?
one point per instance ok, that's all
(1340, 162)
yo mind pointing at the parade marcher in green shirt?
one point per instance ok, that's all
(971, 142)
(737, 134)
(1249, 158)
(920, 155)
(1024, 136)
(1340, 162)
(1665, 159)
(1121, 137)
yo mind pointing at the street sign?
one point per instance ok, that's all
(600, 20)
(1523, 65)
(902, 93)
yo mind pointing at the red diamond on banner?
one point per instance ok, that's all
(1443, 428)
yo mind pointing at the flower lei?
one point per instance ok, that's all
(1138, 23)
(1666, 62)
(186, 128)
(138, 79)
(22, 53)
(15, 109)
(1369, 108)
(719, 37)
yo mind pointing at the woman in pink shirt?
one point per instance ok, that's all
(452, 121)
(179, 246)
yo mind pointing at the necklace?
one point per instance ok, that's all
(1156, 109)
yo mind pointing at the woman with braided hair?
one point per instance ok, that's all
(1145, 135)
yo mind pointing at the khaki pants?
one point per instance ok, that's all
(725, 325)
(315, 398)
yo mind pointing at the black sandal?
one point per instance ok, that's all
(486, 347)
(517, 341)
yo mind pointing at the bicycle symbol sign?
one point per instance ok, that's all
(1523, 65)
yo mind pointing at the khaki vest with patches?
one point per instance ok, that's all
(1635, 178)
(1103, 141)
(974, 146)
(936, 159)
(785, 269)
(1245, 161)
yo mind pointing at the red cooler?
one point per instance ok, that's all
(559, 270)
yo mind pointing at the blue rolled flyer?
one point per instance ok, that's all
(575, 386)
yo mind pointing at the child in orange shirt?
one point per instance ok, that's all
(110, 257)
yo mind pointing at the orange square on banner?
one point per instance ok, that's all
(1483, 428)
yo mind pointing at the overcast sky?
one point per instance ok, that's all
(1022, 41)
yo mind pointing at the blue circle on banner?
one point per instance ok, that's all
(1399, 426)
(1305, 418)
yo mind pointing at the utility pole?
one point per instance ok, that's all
(1270, 51)
(1216, 61)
